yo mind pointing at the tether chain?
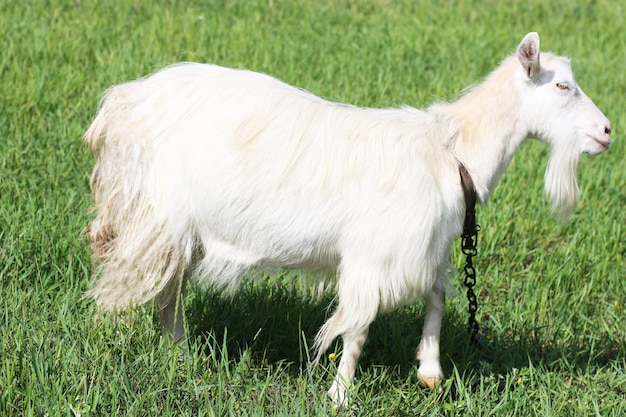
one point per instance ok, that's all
(469, 242)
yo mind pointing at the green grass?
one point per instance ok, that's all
(552, 295)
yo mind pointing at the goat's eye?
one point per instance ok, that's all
(562, 86)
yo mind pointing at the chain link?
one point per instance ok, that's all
(469, 243)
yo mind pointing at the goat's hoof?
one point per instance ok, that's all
(431, 382)
(338, 395)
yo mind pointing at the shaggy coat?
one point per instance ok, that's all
(209, 173)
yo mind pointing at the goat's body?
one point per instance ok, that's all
(209, 172)
(232, 194)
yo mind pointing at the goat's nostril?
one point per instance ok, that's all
(607, 130)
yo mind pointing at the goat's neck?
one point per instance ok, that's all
(490, 130)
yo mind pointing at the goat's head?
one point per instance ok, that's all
(561, 115)
(560, 112)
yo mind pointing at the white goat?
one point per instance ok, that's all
(210, 172)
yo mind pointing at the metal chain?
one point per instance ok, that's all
(469, 243)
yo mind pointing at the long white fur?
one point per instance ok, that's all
(210, 172)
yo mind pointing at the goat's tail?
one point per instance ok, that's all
(136, 256)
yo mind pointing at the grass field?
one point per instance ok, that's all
(552, 295)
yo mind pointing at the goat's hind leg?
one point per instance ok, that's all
(430, 373)
(172, 312)
(356, 310)
(353, 342)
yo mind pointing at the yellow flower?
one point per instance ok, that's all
(519, 380)
(332, 356)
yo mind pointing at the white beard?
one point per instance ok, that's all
(561, 185)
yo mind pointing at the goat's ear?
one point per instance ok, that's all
(528, 54)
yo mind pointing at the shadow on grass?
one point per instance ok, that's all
(274, 325)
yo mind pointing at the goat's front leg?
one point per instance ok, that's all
(429, 373)
(353, 342)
